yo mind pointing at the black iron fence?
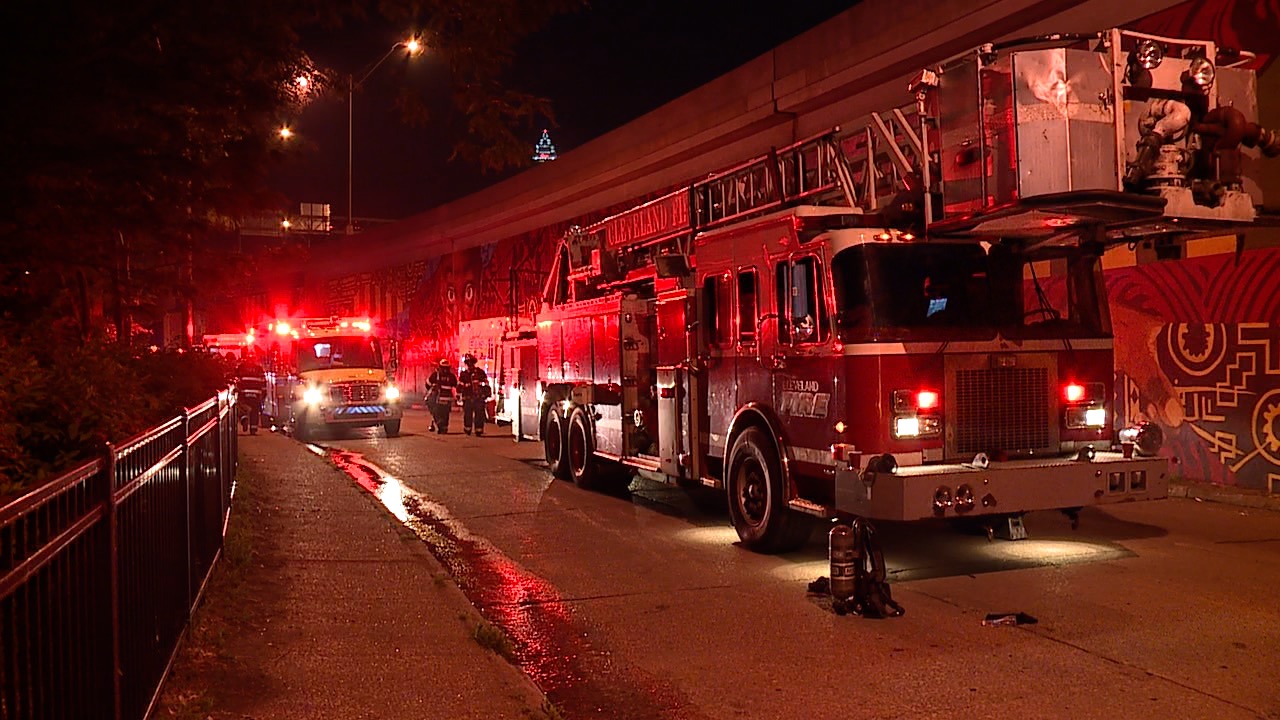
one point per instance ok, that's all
(101, 569)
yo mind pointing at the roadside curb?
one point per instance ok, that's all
(1225, 494)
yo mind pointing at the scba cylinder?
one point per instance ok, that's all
(844, 561)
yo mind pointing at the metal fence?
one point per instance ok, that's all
(101, 569)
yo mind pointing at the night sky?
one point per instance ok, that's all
(601, 68)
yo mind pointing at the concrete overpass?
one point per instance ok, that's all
(855, 63)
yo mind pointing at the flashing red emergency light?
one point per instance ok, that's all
(1073, 392)
(283, 328)
(926, 399)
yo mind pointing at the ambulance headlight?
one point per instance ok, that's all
(393, 392)
(312, 395)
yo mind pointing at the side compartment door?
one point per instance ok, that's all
(717, 338)
(671, 382)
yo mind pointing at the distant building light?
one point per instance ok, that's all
(286, 224)
(544, 150)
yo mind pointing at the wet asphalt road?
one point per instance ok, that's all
(640, 605)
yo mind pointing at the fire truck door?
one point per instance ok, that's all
(756, 341)
(804, 386)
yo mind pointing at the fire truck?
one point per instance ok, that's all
(327, 373)
(902, 319)
(224, 344)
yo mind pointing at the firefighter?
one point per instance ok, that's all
(442, 387)
(474, 384)
(251, 384)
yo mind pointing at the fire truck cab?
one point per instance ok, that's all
(328, 373)
(904, 321)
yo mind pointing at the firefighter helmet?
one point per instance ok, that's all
(444, 362)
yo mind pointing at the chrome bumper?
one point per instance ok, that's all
(1014, 486)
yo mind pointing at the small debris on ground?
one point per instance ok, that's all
(1001, 619)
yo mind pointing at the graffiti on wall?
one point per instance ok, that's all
(1198, 352)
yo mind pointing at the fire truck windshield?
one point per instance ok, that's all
(960, 292)
(339, 352)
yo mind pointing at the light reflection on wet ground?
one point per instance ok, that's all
(549, 646)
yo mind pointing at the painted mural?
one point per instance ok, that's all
(1198, 351)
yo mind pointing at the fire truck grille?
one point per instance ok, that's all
(1002, 409)
(355, 392)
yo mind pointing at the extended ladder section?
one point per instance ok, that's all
(866, 171)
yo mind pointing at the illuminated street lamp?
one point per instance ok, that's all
(412, 47)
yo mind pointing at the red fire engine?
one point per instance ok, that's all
(327, 373)
(905, 321)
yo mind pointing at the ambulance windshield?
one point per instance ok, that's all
(339, 352)
(961, 292)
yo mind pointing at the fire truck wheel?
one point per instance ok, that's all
(553, 444)
(392, 427)
(757, 498)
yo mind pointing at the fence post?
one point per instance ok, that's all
(113, 572)
(184, 476)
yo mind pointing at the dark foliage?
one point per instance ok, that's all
(135, 136)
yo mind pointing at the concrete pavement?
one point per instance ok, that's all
(342, 613)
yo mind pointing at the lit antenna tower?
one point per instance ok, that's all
(544, 150)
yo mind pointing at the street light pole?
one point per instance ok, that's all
(413, 47)
(351, 104)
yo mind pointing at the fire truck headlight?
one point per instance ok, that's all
(393, 392)
(312, 395)
(916, 426)
(906, 427)
(1079, 418)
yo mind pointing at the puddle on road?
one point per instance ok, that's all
(549, 647)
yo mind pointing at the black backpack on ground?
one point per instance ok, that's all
(871, 596)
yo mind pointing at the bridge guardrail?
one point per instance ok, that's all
(101, 568)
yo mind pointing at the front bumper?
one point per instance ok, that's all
(1014, 486)
(353, 415)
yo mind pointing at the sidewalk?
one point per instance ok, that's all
(1226, 494)
(332, 611)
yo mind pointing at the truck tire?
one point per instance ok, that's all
(758, 499)
(580, 450)
(392, 428)
(587, 470)
(553, 444)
